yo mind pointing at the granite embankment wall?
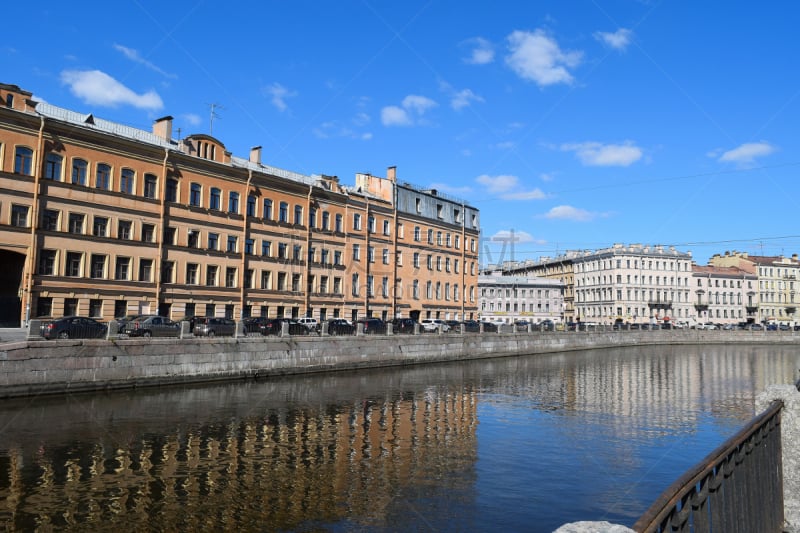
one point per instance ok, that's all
(52, 367)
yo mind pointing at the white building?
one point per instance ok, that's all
(509, 299)
(724, 295)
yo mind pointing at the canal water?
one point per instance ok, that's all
(513, 444)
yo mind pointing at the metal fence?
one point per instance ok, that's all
(737, 488)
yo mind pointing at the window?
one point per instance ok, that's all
(231, 243)
(356, 221)
(298, 215)
(337, 257)
(251, 206)
(385, 287)
(230, 277)
(415, 289)
(370, 254)
(145, 269)
(371, 224)
(169, 236)
(148, 233)
(103, 177)
(266, 279)
(100, 227)
(52, 166)
(124, 230)
(248, 278)
(211, 275)
(326, 220)
(167, 271)
(386, 227)
(73, 264)
(75, 223)
(323, 284)
(337, 287)
(193, 239)
(266, 248)
(95, 308)
(47, 262)
(213, 241)
(267, 209)
(150, 186)
(296, 281)
(122, 270)
(194, 194)
(248, 246)
(233, 203)
(23, 161)
(430, 262)
(191, 273)
(214, 199)
(281, 281)
(282, 250)
(418, 205)
(416, 259)
(325, 257)
(50, 220)
(79, 167)
(172, 190)
(44, 306)
(356, 252)
(438, 238)
(338, 224)
(126, 181)
(283, 212)
(355, 284)
(439, 211)
(430, 236)
(312, 218)
(297, 252)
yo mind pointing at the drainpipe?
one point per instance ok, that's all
(394, 252)
(463, 262)
(367, 269)
(308, 253)
(244, 244)
(162, 219)
(37, 169)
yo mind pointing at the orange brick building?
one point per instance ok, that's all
(104, 220)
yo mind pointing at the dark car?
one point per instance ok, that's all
(472, 326)
(191, 320)
(73, 327)
(152, 326)
(274, 326)
(403, 325)
(254, 324)
(340, 326)
(123, 320)
(372, 326)
(489, 327)
(546, 325)
(454, 325)
(213, 326)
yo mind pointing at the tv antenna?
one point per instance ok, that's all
(214, 115)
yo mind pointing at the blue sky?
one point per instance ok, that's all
(569, 124)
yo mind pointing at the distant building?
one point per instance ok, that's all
(724, 295)
(778, 294)
(510, 299)
(101, 219)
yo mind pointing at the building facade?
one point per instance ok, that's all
(724, 295)
(510, 299)
(558, 268)
(104, 220)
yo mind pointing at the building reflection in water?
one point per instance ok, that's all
(358, 450)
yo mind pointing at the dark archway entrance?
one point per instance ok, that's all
(11, 266)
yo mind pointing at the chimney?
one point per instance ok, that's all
(162, 127)
(255, 155)
(391, 174)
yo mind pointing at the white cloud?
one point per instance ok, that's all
(619, 40)
(747, 153)
(547, 176)
(537, 57)
(192, 119)
(134, 56)
(508, 188)
(515, 236)
(278, 95)
(464, 98)
(481, 53)
(596, 154)
(567, 212)
(331, 129)
(412, 110)
(98, 88)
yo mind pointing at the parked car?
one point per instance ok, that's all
(310, 323)
(340, 326)
(191, 320)
(489, 327)
(433, 324)
(274, 326)
(152, 326)
(212, 326)
(472, 326)
(372, 326)
(403, 325)
(546, 325)
(453, 325)
(73, 327)
(755, 327)
(123, 320)
(254, 324)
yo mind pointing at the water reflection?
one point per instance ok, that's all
(521, 443)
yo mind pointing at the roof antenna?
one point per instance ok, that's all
(213, 116)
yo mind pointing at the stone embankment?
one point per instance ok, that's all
(52, 367)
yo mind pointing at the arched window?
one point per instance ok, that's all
(283, 212)
(150, 186)
(233, 203)
(194, 194)
(103, 176)
(126, 181)
(267, 214)
(214, 199)
(79, 167)
(172, 190)
(52, 166)
(23, 161)
(251, 206)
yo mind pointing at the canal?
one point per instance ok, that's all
(515, 444)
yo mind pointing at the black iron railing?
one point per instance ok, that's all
(737, 487)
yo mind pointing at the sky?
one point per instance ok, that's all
(570, 124)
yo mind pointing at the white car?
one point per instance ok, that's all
(433, 324)
(311, 324)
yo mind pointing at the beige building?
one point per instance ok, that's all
(778, 292)
(104, 220)
(509, 299)
(724, 295)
